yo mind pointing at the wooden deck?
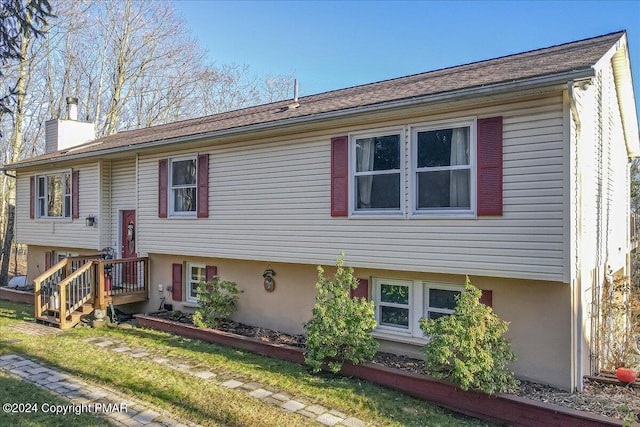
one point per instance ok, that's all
(77, 286)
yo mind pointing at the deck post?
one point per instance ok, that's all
(63, 304)
(100, 286)
(37, 286)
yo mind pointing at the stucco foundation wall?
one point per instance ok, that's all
(285, 309)
(539, 322)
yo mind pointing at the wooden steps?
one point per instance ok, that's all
(72, 320)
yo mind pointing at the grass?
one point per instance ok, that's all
(206, 403)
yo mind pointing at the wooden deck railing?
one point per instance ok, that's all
(76, 281)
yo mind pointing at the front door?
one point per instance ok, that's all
(129, 248)
(129, 234)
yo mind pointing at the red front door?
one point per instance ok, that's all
(129, 247)
(129, 234)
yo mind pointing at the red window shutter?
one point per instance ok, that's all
(163, 180)
(210, 272)
(32, 197)
(362, 290)
(490, 166)
(202, 203)
(339, 176)
(176, 282)
(75, 194)
(48, 260)
(487, 298)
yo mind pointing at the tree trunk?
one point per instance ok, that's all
(6, 250)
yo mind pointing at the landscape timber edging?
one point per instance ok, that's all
(9, 294)
(499, 408)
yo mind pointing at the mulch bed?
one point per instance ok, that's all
(604, 397)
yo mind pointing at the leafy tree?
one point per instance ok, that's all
(341, 326)
(469, 347)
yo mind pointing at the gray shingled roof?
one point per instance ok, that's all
(556, 60)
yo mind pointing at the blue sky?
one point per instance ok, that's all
(330, 45)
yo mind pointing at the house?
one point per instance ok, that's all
(514, 171)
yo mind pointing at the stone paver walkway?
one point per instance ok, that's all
(317, 413)
(33, 328)
(119, 410)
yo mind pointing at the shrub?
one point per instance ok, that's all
(469, 347)
(341, 326)
(217, 299)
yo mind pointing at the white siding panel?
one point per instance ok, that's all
(270, 201)
(104, 217)
(63, 232)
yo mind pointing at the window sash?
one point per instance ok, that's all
(196, 275)
(460, 196)
(53, 195)
(183, 195)
(376, 179)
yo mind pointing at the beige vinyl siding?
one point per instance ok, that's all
(123, 194)
(104, 217)
(270, 201)
(61, 232)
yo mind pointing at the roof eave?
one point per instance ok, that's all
(626, 101)
(462, 94)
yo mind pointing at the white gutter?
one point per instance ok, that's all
(577, 290)
(532, 83)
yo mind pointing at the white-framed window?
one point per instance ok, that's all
(440, 299)
(443, 168)
(377, 172)
(183, 173)
(196, 275)
(53, 195)
(400, 304)
(434, 176)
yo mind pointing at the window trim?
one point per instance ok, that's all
(417, 307)
(66, 216)
(371, 133)
(170, 187)
(471, 123)
(188, 282)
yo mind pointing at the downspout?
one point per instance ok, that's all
(577, 292)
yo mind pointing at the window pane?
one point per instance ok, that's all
(67, 183)
(197, 274)
(396, 294)
(41, 211)
(443, 298)
(433, 316)
(194, 290)
(184, 200)
(444, 189)
(447, 147)
(394, 316)
(378, 153)
(67, 206)
(54, 188)
(41, 186)
(378, 191)
(183, 172)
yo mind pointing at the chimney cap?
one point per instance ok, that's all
(72, 100)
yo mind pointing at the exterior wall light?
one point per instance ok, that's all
(90, 221)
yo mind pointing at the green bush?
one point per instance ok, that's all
(469, 347)
(341, 326)
(217, 299)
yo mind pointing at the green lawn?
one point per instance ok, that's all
(204, 402)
